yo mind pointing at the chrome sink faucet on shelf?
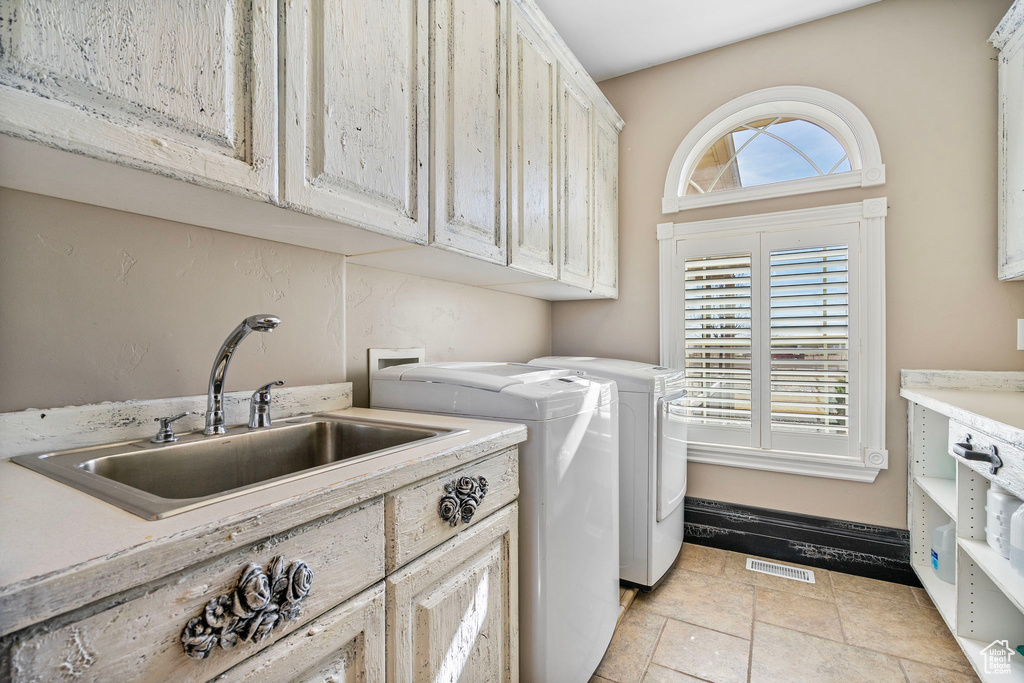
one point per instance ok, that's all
(215, 392)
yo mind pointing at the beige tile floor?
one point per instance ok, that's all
(712, 620)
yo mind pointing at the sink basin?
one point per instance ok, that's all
(159, 480)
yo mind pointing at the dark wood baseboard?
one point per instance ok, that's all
(876, 552)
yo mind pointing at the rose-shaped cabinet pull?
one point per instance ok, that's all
(262, 600)
(461, 498)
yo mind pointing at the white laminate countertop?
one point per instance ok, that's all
(981, 402)
(62, 548)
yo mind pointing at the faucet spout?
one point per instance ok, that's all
(215, 390)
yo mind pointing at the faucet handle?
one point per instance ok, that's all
(263, 393)
(259, 405)
(165, 433)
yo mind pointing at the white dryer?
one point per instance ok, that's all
(568, 501)
(652, 461)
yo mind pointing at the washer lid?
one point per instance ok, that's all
(482, 375)
(501, 390)
(628, 375)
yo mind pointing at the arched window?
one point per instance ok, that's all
(773, 143)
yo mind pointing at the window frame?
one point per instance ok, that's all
(835, 114)
(866, 222)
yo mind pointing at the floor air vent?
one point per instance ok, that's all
(805, 575)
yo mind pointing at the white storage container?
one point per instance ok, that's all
(944, 552)
(1017, 540)
(999, 508)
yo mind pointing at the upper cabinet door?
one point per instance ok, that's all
(356, 120)
(532, 228)
(606, 208)
(468, 126)
(1010, 38)
(187, 89)
(575, 183)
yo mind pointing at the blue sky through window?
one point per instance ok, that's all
(767, 160)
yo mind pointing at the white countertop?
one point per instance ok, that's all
(984, 403)
(56, 538)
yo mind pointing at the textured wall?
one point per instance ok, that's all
(101, 305)
(922, 72)
(450, 321)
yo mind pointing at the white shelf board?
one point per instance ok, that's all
(942, 594)
(942, 491)
(998, 569)
(972, 648)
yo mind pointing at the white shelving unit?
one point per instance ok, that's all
(986, 603)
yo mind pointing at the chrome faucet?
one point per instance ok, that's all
(215, 392)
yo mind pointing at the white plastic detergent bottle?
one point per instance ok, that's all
(944, 552)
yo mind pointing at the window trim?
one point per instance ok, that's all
(870, 216)
(835, 114)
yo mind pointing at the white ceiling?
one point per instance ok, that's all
(615, 37)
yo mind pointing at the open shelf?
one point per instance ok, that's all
(998, 569)
(972, 648)
(942, 491)
(942, 594)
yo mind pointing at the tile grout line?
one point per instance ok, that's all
(661, 632)
(690, 623)
(750, 645)
(903, 670)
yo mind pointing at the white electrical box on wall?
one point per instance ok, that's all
(385, 358)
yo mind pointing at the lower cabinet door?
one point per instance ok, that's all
(344, 645)
(453, 613)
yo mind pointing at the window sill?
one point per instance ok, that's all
(827, 466)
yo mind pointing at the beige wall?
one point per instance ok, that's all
(101, 305)
(922, 72)
(450, 321)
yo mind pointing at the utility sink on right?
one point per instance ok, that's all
(159, 480)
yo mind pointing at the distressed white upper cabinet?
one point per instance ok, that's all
(355, 112)
(1009, 39)
(533, 74)
(575, 183)
(468, 112)
(606, 208)
(186, 89)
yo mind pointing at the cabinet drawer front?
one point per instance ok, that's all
(1010, 475)
(140, 638)
(346, 644)
(413, 522)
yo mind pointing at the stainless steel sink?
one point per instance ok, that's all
(156, 481)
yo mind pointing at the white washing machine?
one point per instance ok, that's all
(652, 462)
(568, 501)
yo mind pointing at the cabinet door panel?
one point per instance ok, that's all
(468, 126)
(1011, 161)
(575, 159)
(453, 613)
(182, 88)
(532, 226)
(345, 645)
(356, 112)
(606, 209)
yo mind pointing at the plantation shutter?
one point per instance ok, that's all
(770, 339)
(809, 322)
